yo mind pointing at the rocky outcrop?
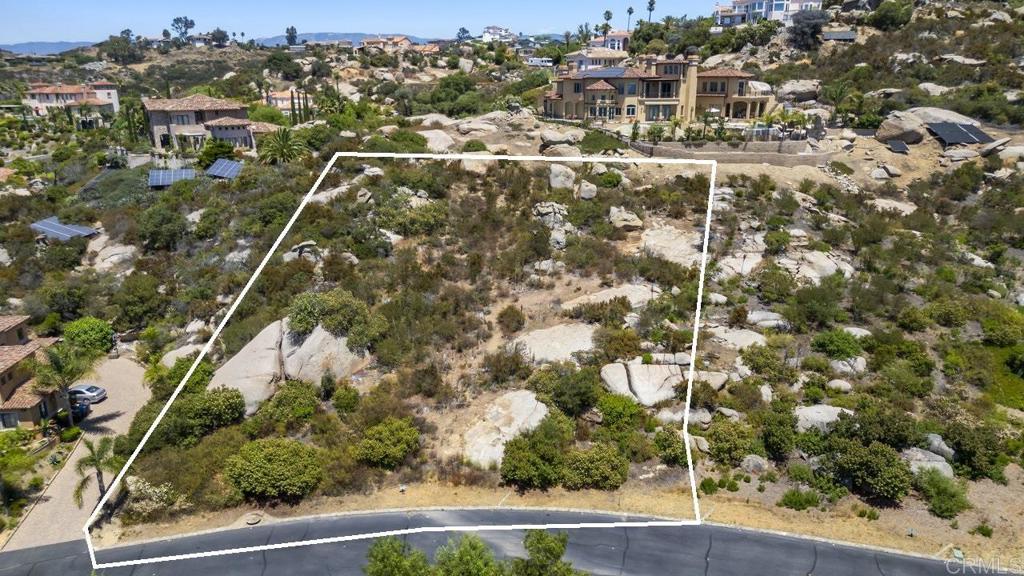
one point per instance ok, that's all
(624, 219)
(438, 140)
(820, 416)
(558, 343)
(637, 294)
(929, 114)
(754, 464)
(938, 446)
(648, 384)
(510, 415)
(901, 126)
(673, 244)
(799, 90)
(255, 369)
(309, 357)
(920, 460)
(561, 177)
(553, 137)
(553, 215)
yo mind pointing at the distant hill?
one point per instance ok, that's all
(355, 37)
(43, 47)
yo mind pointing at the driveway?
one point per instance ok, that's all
(56, 518)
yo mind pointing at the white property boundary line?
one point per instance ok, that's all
(273, 249)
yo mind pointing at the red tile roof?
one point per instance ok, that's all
(228, 121)
(8, 322)
(601, 86)
(60, 89)
(24, 397)
(189, 104)
(724, 73)
(11, 355)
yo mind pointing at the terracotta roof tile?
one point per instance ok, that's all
(24, 397)
(190, 103)
(601, 86)
(11, 355)
(724, 73)
(8, 322)
(227, 121)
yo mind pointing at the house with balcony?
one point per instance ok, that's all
(97, 96)
(740, 12)
(614, 40)
(21, 405)
(658, 91)
(187, 122)
(591, 58)
(498, 34)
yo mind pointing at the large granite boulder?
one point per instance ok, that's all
(820, 416)
(185, 351)
(438, 140)
(255, 369)
(561, 177)
(557, 343)
(637, 294)
(920, 460)
(311, 356)
(624, 219)
(799, 90)
(672, 244)
(929, 115)
(510, 415)
(902, 126)
(553, 137)
(937, 445)
(647, 383)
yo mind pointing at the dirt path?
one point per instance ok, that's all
(56, 518)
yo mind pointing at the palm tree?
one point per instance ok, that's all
(650, 9)
(606, 27)
(281, 146)
(101, 458)
(629, 17)
(675, 123)
(61, 367)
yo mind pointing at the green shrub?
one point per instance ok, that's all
(891, 15)
(275, 469)
(345, 399)
(511, 320)
(730, 441)
(776, 242)
(946, 498)
(90, 334)
(797, 499)
(389, 443)
(535, 460)
(474, 146)
(982, 529)
(708, 486)
(609, 179)
(600, 466)
(70, 434)
(292, 406)
(671, 447)
(876, 471)
(836, 344)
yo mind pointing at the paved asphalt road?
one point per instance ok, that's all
(659, 551)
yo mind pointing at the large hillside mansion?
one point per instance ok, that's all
(188, 122)
(102, 96)
(657, 92)
(740, 12)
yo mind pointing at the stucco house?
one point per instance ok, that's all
(20, 404)
(188, 122)
(100, 96)
(740, 12)
(656, 92)
(614, 40)
(590, 58)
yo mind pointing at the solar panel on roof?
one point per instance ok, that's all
(163, 178)
(898, 146)
(224, 168)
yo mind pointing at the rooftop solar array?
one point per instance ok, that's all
(951, 133)
(224, 168)
(163, 178)
(898, 146)
(53, 229)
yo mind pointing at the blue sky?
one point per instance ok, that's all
(92, 21)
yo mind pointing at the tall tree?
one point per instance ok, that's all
(182, 25)
(463, 35)
(650, 9)
(629, 17)
(219, 37)
(291, 35)
(100, 459)
(607, 26)
(62, 365)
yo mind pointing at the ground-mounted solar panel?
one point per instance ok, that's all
(224, 168)
(979, 135)
(53, 229)
(898, 146)
(164, 178)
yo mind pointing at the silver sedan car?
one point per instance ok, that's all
(88, 393)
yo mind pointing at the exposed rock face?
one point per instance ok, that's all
(434, 119)
(766, 319)
(563, 151)
(637, 294)
(902, 126)
(510, 415)
(673, 244)
(737, 339)
(309, 358)
(552, 137)
(478, 167)
(561, 177)
(933, 89)
(928, 115)
(851, 366)
(919, 460)
(754, 464)
(557, 343)
(799, 90)
(716, 380)
(701, 417)
(553, 215)
(838, 385)
(647, 383)
(587, 190)
(856, 331)
(820, 416)
(476, 128)
(624, 219)
(937, 445)
(171, 357)
(255, 369)
(438, 140)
